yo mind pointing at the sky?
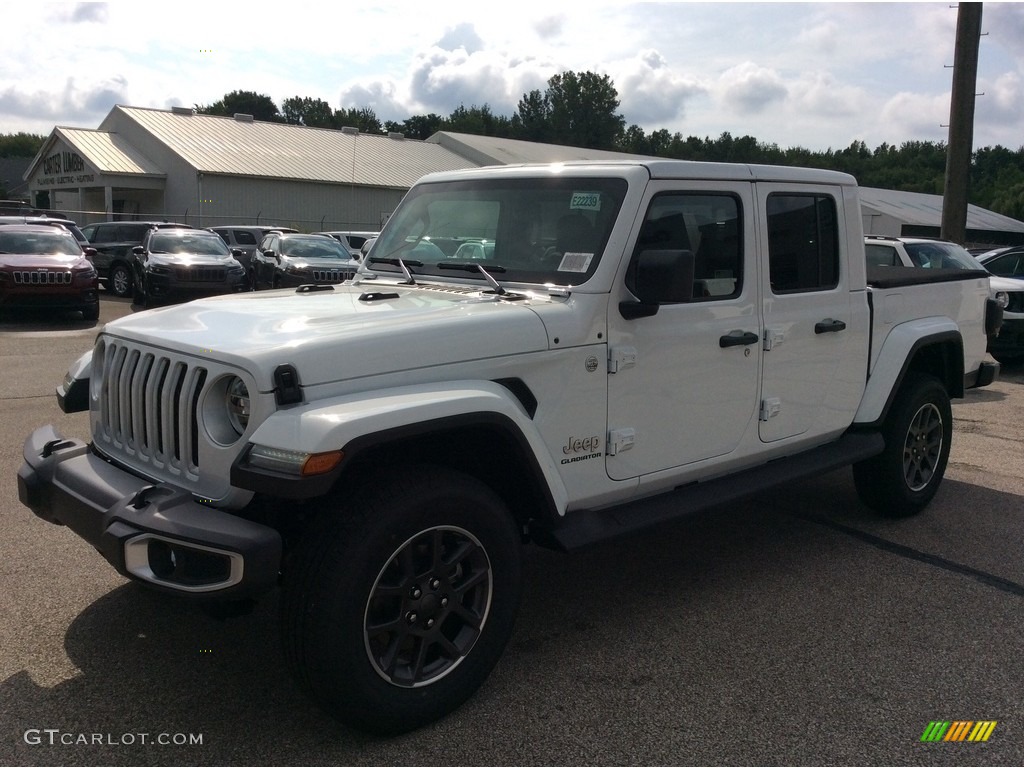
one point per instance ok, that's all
(813, 75)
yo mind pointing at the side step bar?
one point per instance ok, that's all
(584, 528)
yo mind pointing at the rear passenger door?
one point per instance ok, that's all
(814, 342)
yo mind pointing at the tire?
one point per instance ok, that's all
(120, 280)
(901, 480)
(400, 601)
(91, 313)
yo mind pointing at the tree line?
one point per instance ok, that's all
(581, 109)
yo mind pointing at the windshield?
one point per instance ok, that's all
(548, 230)
(941, 256)
(176, 241)
(313, 247)
(39, 243)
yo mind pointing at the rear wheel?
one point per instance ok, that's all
(901, 480)
(398, 604)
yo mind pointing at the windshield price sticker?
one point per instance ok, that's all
(575, 262)
(585, 201)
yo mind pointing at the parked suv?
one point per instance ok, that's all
(69, 225)
(1007, 267)
(245, 238)
(286, 260)
(353, 241)
(43, 267)
(113, 241)
(175, 262)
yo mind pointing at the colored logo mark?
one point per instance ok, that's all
(958, 730)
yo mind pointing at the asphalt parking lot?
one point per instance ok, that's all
(794, 629)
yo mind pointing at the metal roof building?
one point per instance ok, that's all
(914, 214)
(207, 170)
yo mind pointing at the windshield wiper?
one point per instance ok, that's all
(404, 265)
(475, 266)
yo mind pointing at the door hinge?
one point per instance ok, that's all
(770, 406)
(620, 440)
(620, 358)
(772, 338)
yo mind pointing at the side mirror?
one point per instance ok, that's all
(138, 250)
(658, 277)
(238, 253)
(89, 251)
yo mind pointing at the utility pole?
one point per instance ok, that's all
(961, 123)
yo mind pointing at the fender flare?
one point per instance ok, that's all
(353, 423)
(897, 353)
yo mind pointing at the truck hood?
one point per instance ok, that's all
(351, 331)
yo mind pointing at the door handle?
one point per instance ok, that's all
(738, 339)
(828, 325)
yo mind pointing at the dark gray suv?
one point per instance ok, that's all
(184, 263)
(114, 241)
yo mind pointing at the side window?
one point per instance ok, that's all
(803, 242)
(881, 255)
(1011, 265)
(103, 234)
(131, 233)
(709, 226)
(241, 237)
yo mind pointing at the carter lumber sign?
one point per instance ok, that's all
(62, 169)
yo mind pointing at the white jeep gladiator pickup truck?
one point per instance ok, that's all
(623, 343)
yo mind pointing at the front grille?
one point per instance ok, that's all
(332, 275)
(148, 407)
(201, 274)
(43, 277)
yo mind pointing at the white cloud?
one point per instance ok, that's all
(916, 116)
(74, 104)
(89, 12)
(651, 94)
(748, 88)
(820, 94)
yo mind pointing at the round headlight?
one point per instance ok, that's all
(1002, 298)
(236, 400)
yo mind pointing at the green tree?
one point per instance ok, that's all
(20, 144)
(532, 121)
(364, 118)
(584, 110)
(417, 126)
(259, 105)
(302, 110)
(479, 121)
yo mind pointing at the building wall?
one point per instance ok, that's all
(305, 205)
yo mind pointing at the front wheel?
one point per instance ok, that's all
(120, 280)
(400, 602)
(901, 480)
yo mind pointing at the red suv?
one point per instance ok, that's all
(43, 267)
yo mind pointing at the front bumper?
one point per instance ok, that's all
(162, 285)
(156, 534)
